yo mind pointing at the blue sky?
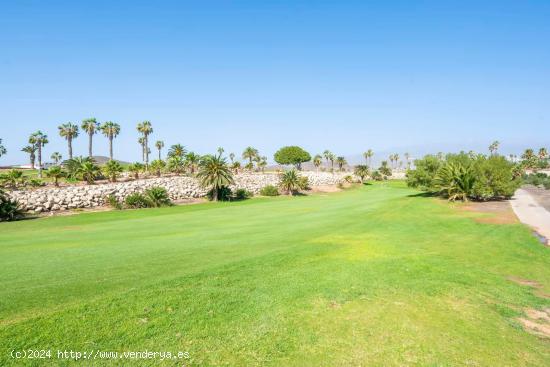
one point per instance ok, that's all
(394, 76)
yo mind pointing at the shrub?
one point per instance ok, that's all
(455, 181)
(377, 176)
(56, 173)
(136, 169)
(112, 170)
(242, 194)
(113, 202)
(292, 155)
(9, 209)
(223, 194)
(269, 190)
(12, 179)
(158, 166)
(35, 182)
(137, 200)
(348, 178)
(158, 196)
(423, 175)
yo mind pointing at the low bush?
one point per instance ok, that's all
(224, 194)
(466, 176)
(137, 200)
(242, 194)
(158, 196)
(113, 202)
(269, 190)
(9, 209)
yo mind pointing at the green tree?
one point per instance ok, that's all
(159, 144)
(146, 129)
(69, 131)
(158, 165)
(423, 175)
(39, 139)
(112, 169)
(292, 155)
(31, 151)
(214, 174)
(110, 130)
(250, 153)
(90, 126)
(56, 157)
(385, 169)
(56, 173)
(361, 171)
(493, 148)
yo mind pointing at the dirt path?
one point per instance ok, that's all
(530, 212)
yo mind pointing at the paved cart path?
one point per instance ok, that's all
(531, 213)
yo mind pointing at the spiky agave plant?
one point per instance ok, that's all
(455, 181)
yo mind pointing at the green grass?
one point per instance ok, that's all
(368, 276)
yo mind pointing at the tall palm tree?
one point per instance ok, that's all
(177, 150)
(250, 153)
(31, 151)
(262, 163)
(159, 145)
(543, 153)
(232, 157)
(3, 149)
(146, 129)
(341, 161)
(56, 157)
(214, 174)
(396, 158)
(327, 154)
(220, 150)
(407, 156)
(317, 160)
(493, 148)
(90, 126)
(40, 140)
(69, 131)
(332, 158)
(370, 154)
(111, 131)
(141, 142)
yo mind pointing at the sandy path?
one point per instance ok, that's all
(531, 213)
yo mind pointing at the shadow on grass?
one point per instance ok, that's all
(423, 195)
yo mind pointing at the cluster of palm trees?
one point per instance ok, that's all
(530, 159)
(330, 159)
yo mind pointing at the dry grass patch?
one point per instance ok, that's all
(495, 212)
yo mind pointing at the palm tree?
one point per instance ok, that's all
(361, 171)
(543, 153)
(3, 149)
(40, 140)
(111, 131)
(136, 168)
(13, 178)
(327, 154)
(191, 161)
(232, 157)
(176, 164)
(145, 129)
(31, 151)
(90, 126)
(220, 150)
(112, 169)
(56, 173)
(214, 174)
(290, 181)
(141, 142)
(89, 171)
(159, 145)
(262, 163)
(158, 165)
(369, 156)
(250, 153)
(177, 150)
(493, 148)
(396, 159)
(56, 157)
(407, 156)
(317, 160)
(341, 161)
(236, 166)
(332, 158)
(69, 131)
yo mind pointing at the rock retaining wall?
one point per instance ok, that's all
(90, 196)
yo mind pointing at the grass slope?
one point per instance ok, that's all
(369, 276)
